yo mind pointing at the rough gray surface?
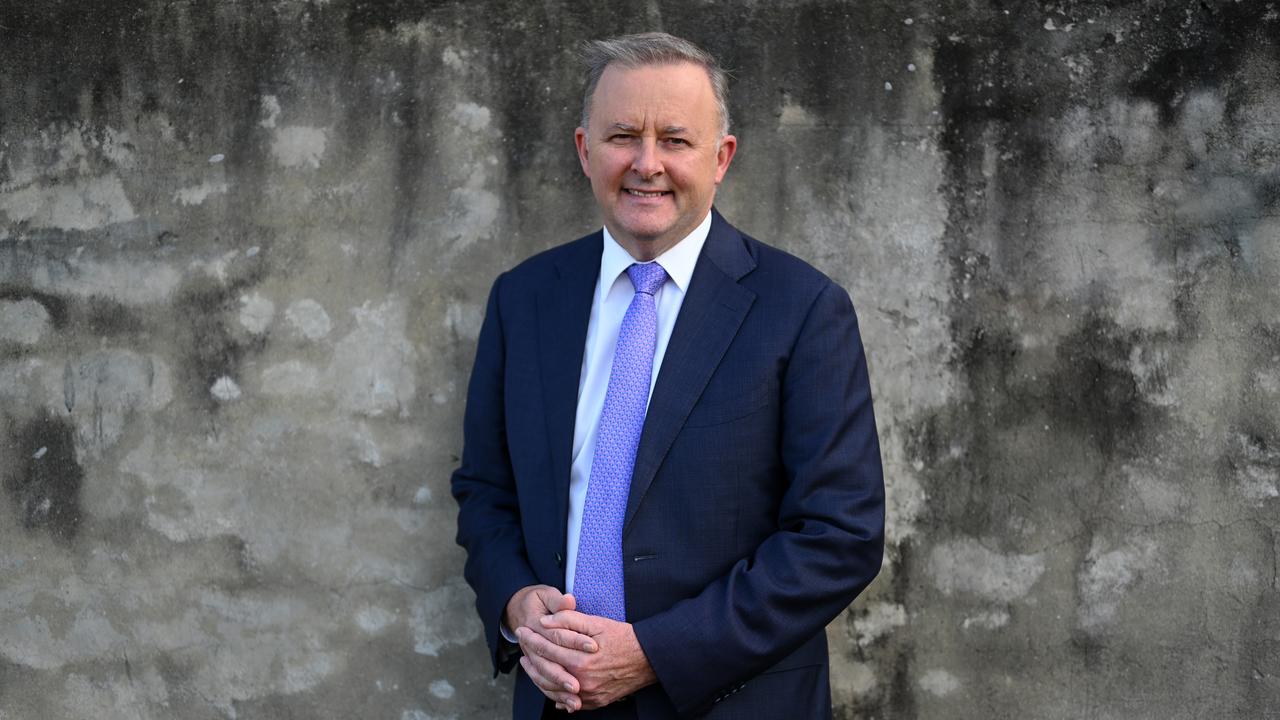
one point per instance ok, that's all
(244, 249)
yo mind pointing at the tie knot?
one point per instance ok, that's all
(647, 277)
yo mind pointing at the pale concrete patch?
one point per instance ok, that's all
(905, 496)
(1242, 574)
(991, 620)
(309, 318)
(1200, 119)
(298, 146)
(100, 392)
(464, 319)
(197, 194)
(795, 115)
(256, 313)
(23, 321)
(470, 116)
(1157, 497)
(373, 619)
(82, 204)
(217, 266)
(442, 689)
(29, 641)
(94, 698)
(290, 378)
(128, 281)
(454, 59)
(59, 151)
(1257, 470)
(270, 111)
(367, 446)
(372, 371)
(443, 618)
(474, 211)
(259, 650)
(852, 681)
(1259, 483)
(1268, 380)
(880, 620)
(1150, 368)
(1106, 577)
(939, 682)
(225, 389)
(966, 566)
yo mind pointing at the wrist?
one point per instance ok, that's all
(509, 612)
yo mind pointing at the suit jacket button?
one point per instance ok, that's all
(559, 560)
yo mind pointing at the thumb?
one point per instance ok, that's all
(567, 602)
(550, 598)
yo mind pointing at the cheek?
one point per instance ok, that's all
(606, 168)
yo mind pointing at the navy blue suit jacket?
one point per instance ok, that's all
(756, 511)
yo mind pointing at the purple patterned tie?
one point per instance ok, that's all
(597, 580)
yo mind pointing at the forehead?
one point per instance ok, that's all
(667, 94)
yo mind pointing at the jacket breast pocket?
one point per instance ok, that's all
(722, 405)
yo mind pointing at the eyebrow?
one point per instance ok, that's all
(668, 130)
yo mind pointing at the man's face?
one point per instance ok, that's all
(654, 153)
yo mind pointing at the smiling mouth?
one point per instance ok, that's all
(643, 194)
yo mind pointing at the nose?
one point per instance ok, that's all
(646, 162)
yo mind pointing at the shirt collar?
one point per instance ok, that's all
(679, 259)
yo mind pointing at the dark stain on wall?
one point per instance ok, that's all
(410, 158)
(1205, 43)
(369, 15)
(60, 75)
(43, 477)
(54, 305)
(1259, 680)
(212, 347)
(106, 317)
(1092, 391)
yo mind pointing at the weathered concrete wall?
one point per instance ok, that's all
(244, 249)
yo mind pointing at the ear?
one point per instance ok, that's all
(580, 140)
(724, 155)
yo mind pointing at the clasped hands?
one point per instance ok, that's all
(580, 661)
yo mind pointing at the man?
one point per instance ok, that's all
(672, 422)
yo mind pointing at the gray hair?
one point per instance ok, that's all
(651, 48)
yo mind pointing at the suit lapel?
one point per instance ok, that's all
(564, 309)
(709, 319)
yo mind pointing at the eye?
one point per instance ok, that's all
(677, 141)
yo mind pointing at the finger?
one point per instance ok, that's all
(536, 645)
(589, 625)
(555, 675)
(569, 639)
(565, 638)
(549, 687)
(550, 599)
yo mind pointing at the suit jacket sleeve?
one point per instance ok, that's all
(830, 532)
(484, 486)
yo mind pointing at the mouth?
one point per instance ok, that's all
(646, 194)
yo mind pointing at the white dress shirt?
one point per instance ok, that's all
(609, 304)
